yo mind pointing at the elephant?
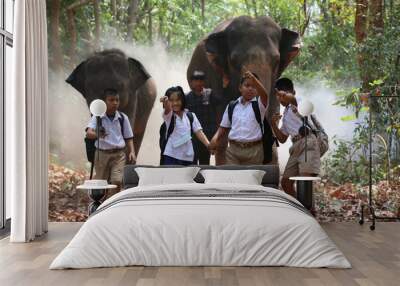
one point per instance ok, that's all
(245, 43)
(113, 69)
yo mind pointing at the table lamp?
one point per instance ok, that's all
(98, 108)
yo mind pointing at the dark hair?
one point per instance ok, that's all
(110, 92)
(243, 78)
(180, 92)
(284, 84)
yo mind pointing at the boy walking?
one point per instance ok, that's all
(115, 136)
(240, 123)
(292, 126)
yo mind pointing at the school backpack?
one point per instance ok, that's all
(90, 143)
(268, 137)
(322, 137)
(164, 133)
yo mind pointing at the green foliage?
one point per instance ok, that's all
(348, 162)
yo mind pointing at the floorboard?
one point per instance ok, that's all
(374, 255)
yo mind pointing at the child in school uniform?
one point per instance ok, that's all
(115, 136)
(181, 125)
(292, 126)
(244, 132)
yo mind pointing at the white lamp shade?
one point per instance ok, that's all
(98, 107)
(305, 108)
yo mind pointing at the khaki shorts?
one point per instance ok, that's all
(296, 164)
(110, 166)
(236, 155)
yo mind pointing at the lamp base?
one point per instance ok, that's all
(96, 195)
(304, 190)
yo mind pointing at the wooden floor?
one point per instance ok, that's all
(375, 257)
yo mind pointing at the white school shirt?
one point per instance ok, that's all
(291, 122)
(244, 125)
(114, 138)
(181, 134)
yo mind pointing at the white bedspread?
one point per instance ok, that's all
(183, 231)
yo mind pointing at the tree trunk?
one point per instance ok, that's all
(72, 36)
(114, 13)
(255, 8)
(323, 8)
(375, 28)
(203, 7)
(247, 6)
(306, 19)
(96, 7)
(72, 28)
(150, 26)
(360, 27)
(376, 16)
(56, 62)
(160, 26)
(169, 36)
(88, 43)
(118, 10)
(132, 18)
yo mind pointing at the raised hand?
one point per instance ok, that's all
(250, 76)
(166, 103)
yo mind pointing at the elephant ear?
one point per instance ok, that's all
(217, 49)
(78, 78)
(137, 73)
(289, 48)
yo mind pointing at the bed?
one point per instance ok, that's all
(201, 224)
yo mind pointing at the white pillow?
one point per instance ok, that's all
(166, 176)
(248, 177)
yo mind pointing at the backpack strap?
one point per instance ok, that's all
(170, 128)
(191, 119)
(264, 124)
(311, 127)
(231, 107)
(317, 124)
(257, 113)
(121, 120)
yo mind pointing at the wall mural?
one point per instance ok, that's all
(149, 59)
